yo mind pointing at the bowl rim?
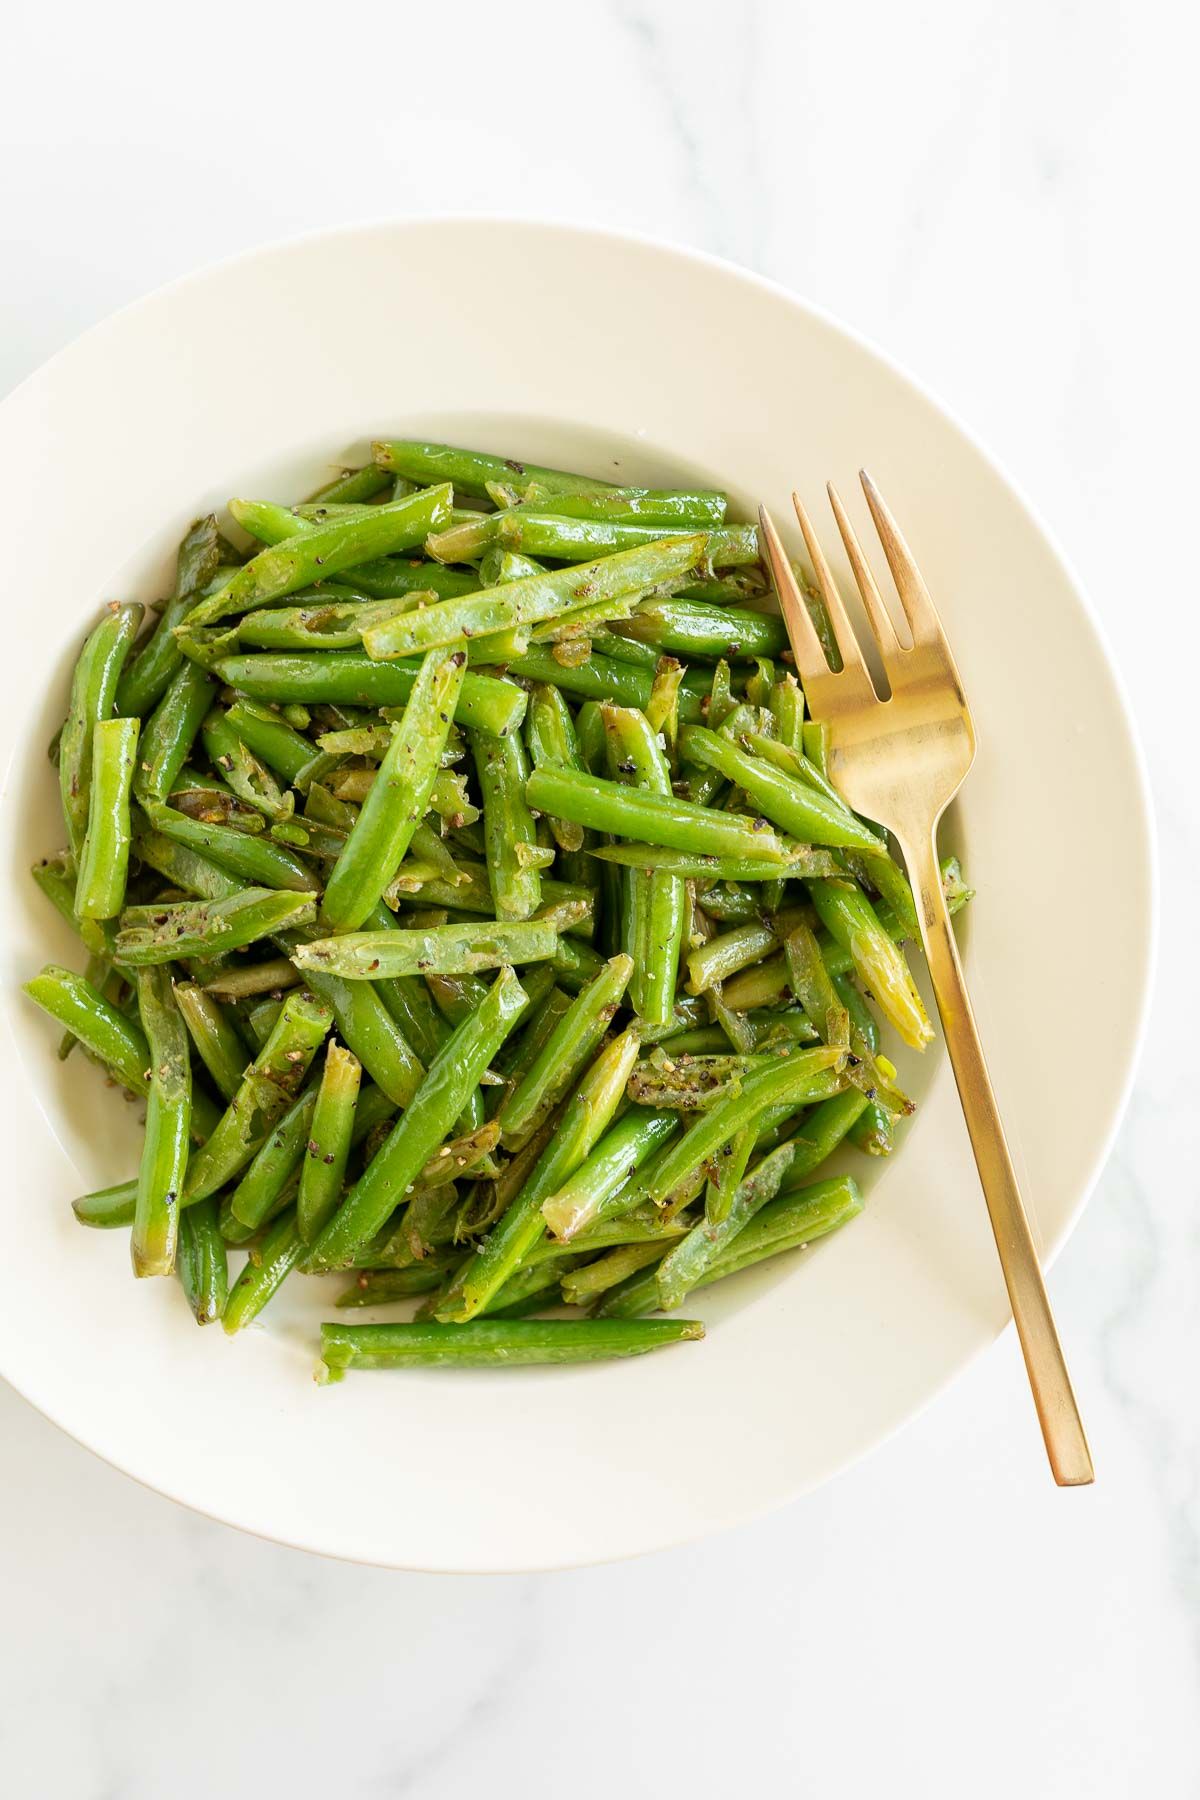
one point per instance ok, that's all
(1134, 1047)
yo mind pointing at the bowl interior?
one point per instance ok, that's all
(246, 380)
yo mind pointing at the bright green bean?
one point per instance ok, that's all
(201, 1262)
(207, 928)
(496, 1343)
(168, 1125)
(104, 859)
(93, 691)
(350, 676)
(564, 1054)
(654, 818)
(325, 1155)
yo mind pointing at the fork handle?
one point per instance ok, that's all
(1058, 1414)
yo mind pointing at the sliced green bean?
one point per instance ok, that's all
(803, 811)
(256, 859)
(170, 732)
(151, 665)
(686, 1263)
(636, 1136)
(445, 950)
(692, 628)
(510, 834)
(851, 921)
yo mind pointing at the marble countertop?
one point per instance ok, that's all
(998, 195)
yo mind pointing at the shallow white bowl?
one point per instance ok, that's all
(618, 357)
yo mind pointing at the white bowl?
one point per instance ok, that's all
(619, 357)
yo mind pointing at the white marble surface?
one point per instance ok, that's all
(1001, 195)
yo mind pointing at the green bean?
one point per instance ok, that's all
(168, 1124)
(354, 485)
(512, 1238)
(686, 1263)
(786, 702)
(656, 898)
(246, 981)
(397, 802)
(151, 664)
(201, 1262)
(582, 1285)
(93, 691)
(689, 1082)
(509, 831)
(606, 1170)
(805, 1076)
(104, 858)
(693, 508)
(788, 1222)
(281, 1250)
(851, 921)
(655, 818)
(220, 1044)
(493, 1343)
(181, 867)
(270, 737)
(470, 471)
(207, 928)
(795, 808)
(55, 876)
(723, 956)
(274, 1164)
(485, 701)
(564, 1054)
(454, 1072)
(249, 778)
(543, 533)
(550, 735)
(383, 1287)
(105, 1033)
(169, 733)
(445, 950)
(322, 624)
(330, 1142)
(372, 1033)
(268, 1087)
(317, 552)
(107, 1207)
(799, 861)
(254, 858)
(534, 598)
(693, 628)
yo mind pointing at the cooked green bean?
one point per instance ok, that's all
(534, 598)
(788, 1222)
(485, 701)
(495, 1343)
(168, 1125)
(511, 1239)
(564, 1054)
(655, 818)
(445, 950)
(454, 1072)
(397, 801)
(268, 1087)
(470, 471)
(318, 552)
(93, 693)
(795, 808)
(218, 1042)
(104, 859)
(170, 732)
(206, 928)
(256, 859)
(336, 819)
(201, 1262)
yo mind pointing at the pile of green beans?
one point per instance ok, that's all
(464, 895)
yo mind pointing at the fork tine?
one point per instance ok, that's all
(919, 609)
(839, 618)
(806, 645)
(877, 613)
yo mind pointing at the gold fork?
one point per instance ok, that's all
(901, 761)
